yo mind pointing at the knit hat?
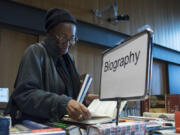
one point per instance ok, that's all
(55, 16)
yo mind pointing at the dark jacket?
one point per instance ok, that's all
(45, 83)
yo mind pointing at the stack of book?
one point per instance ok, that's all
(132, 108)
(124, 128)
(33, 128)
(161, 103)
(167, 116)
(154, 123)
(155, 104)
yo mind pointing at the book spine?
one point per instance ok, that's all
(46, 130)
(33, 125)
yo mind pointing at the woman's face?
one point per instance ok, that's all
(65, 34)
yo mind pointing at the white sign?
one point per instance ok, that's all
(4, 95)
(125, 69)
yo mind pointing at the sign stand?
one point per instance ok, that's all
(118, 106)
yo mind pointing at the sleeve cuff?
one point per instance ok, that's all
(59, 109)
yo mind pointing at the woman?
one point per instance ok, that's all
(47, 83)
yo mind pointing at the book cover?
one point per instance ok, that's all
(39, 133)
(145, 106)
(177, 122)
(34, 125)
(173, 103)
(86, 81)
(157, 104)
(157, 101)
(132, 108)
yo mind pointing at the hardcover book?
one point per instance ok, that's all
(86, 81)
(157, 104)
(154, 104)
(173, 103)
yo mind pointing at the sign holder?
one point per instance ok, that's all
(146, 63)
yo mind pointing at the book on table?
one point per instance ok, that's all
(124, 128)
(101, 112)
(33, 128)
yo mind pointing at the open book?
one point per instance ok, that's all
(104, 109)
(85, 80)
(101, 109)
(101, 112)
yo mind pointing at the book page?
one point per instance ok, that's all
(104, 108)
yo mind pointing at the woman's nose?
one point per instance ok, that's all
(68, 43)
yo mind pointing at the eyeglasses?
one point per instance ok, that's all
(63, 38)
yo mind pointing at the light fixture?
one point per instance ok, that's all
(114, 17)
(122, 17)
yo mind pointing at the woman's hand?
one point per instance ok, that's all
(91, 97)
(77, 111)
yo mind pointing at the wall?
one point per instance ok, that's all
(174, 78)
(159, 82)
(12, 46)
(162, 15)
